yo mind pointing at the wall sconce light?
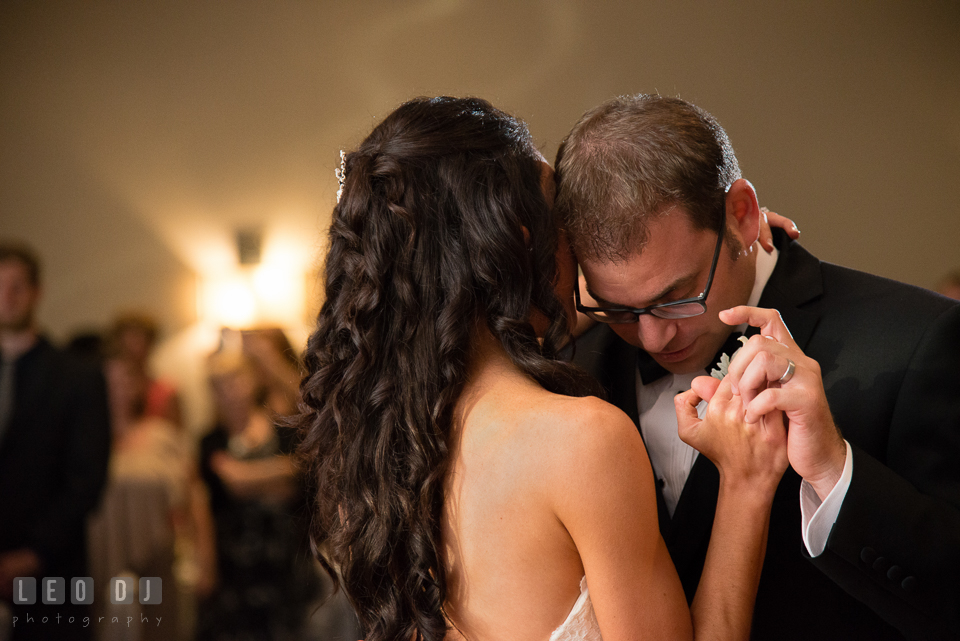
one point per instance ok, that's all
(249, 242)
(264, 289)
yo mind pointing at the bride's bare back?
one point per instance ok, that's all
(513, 569)
(539, 482)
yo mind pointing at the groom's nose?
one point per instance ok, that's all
(655, 334)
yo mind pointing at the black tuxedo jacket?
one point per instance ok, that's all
(890, 358)
(53, 458)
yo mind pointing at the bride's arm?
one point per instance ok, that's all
(602, 490)
(750, 460)
(604, 495)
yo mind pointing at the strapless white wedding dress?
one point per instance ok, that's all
(581, 623)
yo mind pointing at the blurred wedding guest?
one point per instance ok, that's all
(154, 511)
(276, 364)
(950, 285)
(54, 443)
(133, 336)
(266, 578)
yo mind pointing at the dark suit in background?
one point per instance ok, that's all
(53, 464)
(890, 357)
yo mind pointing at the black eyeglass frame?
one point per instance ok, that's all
(700, 300)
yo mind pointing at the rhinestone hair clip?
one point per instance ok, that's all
(341, 174)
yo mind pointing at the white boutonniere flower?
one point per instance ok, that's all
(724, 365)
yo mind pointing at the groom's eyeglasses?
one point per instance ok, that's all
(685, 308)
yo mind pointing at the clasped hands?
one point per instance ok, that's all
(753, 415)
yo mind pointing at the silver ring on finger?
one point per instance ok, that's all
(787, 375)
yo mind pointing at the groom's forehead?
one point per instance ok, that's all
(666, 234)
(672, 253)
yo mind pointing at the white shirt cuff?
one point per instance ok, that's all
(816, 518)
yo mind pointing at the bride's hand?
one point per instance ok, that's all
(754, 454)
(770, 219)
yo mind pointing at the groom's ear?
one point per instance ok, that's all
(743, 211)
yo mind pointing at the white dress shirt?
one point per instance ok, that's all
(673, 459)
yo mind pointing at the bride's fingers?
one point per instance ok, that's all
(688, 421)
(686, 406)
(766, 235)
(705, 387)
(774, 424)
(776, 220)
(773, 427)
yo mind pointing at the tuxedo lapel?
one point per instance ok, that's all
(623, 390)
(613, 362)
(796, 282)
(688, 532)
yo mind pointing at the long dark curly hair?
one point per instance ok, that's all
(426, 242)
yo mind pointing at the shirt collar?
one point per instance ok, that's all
(765, 264)
(766, 261)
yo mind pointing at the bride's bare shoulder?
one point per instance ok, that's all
(579, 450)
(586, 427)
(537, 436)
(577, 413)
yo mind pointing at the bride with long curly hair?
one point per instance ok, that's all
(467, 482)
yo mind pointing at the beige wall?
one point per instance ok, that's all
(136, 137)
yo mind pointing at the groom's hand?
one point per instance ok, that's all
(815, 447)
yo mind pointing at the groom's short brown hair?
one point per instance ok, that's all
(634, 157)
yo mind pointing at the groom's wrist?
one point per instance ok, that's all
(829, 475)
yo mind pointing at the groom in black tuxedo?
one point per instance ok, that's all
(864, 536)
